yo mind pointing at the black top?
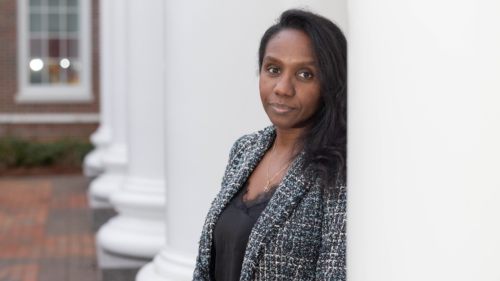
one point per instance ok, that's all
(232, 231)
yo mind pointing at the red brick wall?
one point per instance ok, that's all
(48, 132)
(9, 83)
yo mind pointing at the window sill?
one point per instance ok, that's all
(82, 97)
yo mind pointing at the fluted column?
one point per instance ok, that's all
(424, 119)
(93, 163)
(115, 156)
(139, 228)
(212, 98)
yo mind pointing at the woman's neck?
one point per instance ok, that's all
(285, 140)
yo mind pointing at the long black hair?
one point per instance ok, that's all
(326, 138)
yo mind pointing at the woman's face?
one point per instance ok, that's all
(289, 86)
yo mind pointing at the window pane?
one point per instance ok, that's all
(73, 72)
(72, 3)
(72, 22)
(54, 48)
(35, 2)
(53, 22)
(64, 63)
(54, 72)
(35, 22)
(35, 48)
(35, 76)
(72, 48)
(53, 2)
(63, 75)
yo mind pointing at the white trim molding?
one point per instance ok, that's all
(49, 118)
(55, 93)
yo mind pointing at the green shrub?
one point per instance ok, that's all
(16, 153)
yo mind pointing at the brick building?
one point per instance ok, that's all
(49, 68)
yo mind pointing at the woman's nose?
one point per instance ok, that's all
(284, 86)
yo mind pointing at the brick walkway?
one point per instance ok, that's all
(45, 230)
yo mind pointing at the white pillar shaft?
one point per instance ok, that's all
(105, 51)
(119, 72)
(115, 156)
(101, 138)
(147, 88)
(424, 119)
(212, 99)
(139, 229)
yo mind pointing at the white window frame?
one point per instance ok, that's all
(47, 93)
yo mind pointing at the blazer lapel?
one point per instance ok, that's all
(290, 191)
(242, 165)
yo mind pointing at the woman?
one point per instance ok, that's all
(281, 211)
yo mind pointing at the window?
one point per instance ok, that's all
(54, 51)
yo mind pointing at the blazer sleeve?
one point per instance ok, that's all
(201, 271)
(331, 263)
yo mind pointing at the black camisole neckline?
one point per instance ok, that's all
(232, 231)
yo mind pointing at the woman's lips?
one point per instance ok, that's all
(281, 108)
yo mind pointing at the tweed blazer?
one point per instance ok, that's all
(300, 235)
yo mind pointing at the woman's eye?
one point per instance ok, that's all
(305, 75)
(273, 70)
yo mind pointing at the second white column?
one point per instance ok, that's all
(139, 229)
(114, 158)
(93, 163)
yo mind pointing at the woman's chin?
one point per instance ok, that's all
(282, 124)
(289, 125)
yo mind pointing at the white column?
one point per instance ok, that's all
(101, 138)
(115, 156)
(424, 135)
(139, 229)
(212, 99)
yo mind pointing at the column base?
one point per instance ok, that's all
(148, 273)
(134, 237)
(115, 164)
(140, 229)
(104, 185)
(92, 163)
(101, 137)
(117, 268)
(169, 265)
(141, 198)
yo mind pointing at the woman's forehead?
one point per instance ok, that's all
(289, 44)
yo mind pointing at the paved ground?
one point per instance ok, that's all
(45, 230)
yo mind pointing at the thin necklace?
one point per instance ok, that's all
(268, 166)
